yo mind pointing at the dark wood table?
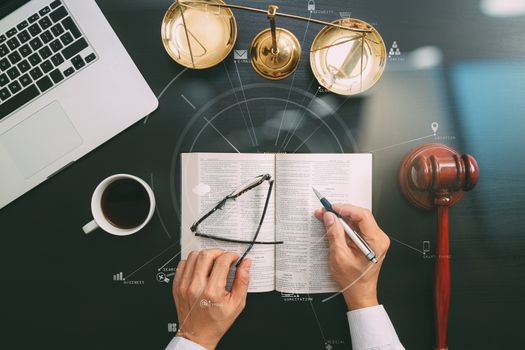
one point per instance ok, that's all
(458, 67)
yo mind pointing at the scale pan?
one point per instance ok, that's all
(347, 62)
(197, 35)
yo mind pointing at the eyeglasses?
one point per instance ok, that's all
(246, 187)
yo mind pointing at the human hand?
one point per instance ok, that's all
(205, 309)
(354, 273)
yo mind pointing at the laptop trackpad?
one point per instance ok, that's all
(41, 139)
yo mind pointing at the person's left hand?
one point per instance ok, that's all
(206, 310)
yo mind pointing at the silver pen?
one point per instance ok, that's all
(354, 236)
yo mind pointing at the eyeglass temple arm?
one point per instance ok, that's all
(219, 205)
(261, 180)
(232, 240)
(260, 224)
(253, 9)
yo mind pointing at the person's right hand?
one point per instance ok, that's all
(353, 272)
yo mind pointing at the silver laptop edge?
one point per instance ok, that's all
(97, 101)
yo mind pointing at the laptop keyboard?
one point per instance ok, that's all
(39, 53)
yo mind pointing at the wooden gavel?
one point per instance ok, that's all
(436, 175)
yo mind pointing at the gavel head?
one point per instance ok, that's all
(436, 174)
(450, 173)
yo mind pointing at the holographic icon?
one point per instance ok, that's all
(118, 277)
(426, 247)
(394, 50)
(161, 277)
(311, 5)
(434, 126)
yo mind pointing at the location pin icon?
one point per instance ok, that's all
(434, 126)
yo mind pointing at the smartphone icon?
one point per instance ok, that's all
(426, 247)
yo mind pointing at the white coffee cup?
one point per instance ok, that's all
(100, 221)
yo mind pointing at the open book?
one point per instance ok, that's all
(300, 264)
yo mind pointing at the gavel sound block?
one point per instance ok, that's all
(435, 175)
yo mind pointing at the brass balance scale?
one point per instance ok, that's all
(347, 56)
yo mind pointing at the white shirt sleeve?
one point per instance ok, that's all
(180, 343)
(371, 329)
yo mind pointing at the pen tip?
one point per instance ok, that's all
(317, 193)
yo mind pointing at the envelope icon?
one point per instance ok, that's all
(240, 54)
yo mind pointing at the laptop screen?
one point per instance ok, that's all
(8, 6)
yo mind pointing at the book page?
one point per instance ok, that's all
(206, 179)
(302, 261)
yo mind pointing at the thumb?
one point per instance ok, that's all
(241, 281)
(334, 231)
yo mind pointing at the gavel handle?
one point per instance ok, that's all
(442, 279)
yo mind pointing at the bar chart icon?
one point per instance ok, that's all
(118, 277)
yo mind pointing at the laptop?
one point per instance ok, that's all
(67, 85)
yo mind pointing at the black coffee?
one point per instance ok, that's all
(125, 203)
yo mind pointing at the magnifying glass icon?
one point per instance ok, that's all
(161, 277)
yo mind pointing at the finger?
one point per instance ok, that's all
(349, 242)
(219, 273)
(178, 274)
(318, 213)
(205, 262)
(360, 216)
(366, 226)
(241, 282)
(334, 231)
(188, 270)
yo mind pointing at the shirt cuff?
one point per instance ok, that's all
(371, 328)
(180, 343)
